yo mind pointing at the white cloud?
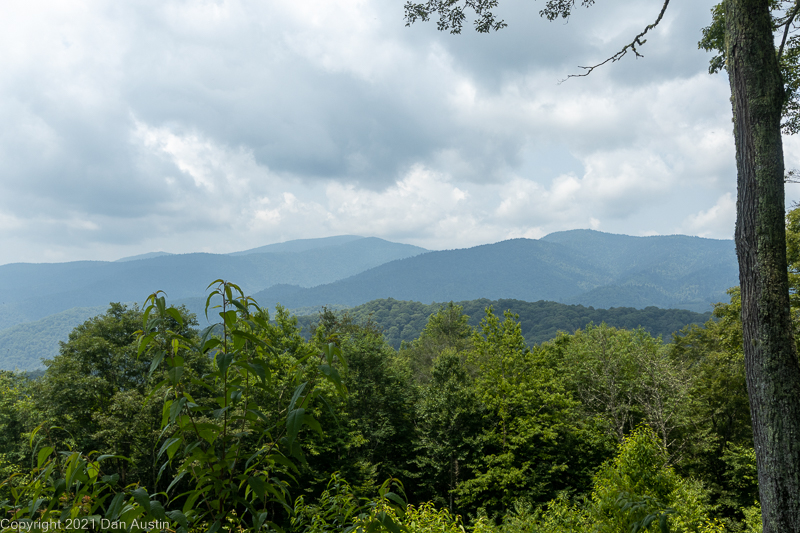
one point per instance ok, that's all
(715, 222)
(226, 124)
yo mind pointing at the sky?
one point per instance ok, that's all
(222, 125)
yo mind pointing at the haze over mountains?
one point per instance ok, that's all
(575, 267)
(33, 291)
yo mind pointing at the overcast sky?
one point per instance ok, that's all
(182, 126)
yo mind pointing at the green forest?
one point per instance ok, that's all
(143, 422)
(403, 321)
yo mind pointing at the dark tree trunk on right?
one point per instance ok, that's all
(773, 373)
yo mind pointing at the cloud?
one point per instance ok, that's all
(715, 221)
(225, 124)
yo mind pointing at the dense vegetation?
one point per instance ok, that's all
(602, 428)
(25, 346)
(540, 321)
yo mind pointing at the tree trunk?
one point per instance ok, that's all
(771, 365)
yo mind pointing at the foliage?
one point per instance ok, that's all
(223, 429)
(446, 329)
(793, 259)
(624, 378)
(527, 418)
(721, 437)
(782, 12)
(449, 420)
(635, 491)
(206, 441)
(402, 321)
(96, 390)
(370, 436)
(232, 462)
(752, 519)
(638, 484)
(338, 509)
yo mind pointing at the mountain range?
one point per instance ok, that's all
(574, 267)
(32, 291)
(584, 267)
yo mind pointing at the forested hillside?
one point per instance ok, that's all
(540, 321)
(582, 266)
(464, 428)
(22, 347)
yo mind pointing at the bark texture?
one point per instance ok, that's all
(771, 364)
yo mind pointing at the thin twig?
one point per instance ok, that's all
(637, 41)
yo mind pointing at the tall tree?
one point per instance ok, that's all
(758, 97)
(771, 366)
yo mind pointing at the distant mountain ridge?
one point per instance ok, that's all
(31, 291)
(149, 255)
(301, 245)
(574, 267)
(583, 267)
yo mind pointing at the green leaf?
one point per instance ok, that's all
(33, 434)
(293, 424)
(110, 480)
(75, 469)
(161, 471)
(208, 302)
(43, 454)
(280, 459)
(297, 392)
(662, 524)
(175, 314)
(170, 446)
(157, 387)
(258, 485)
(259, 521)
(229, 317)
(176, 480)
(156, 361)
(333, 376)
(223, 362)
(175, 374)
(180, 518)
(142, 498)
(143, 342)
(387, 522)
(175, 408)
(252, 338)
(312, 423)
(161, 304)
(157, 510)
(114, 508)
(36, 505)
(396, 499)
(208, 432)
(210, 344)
